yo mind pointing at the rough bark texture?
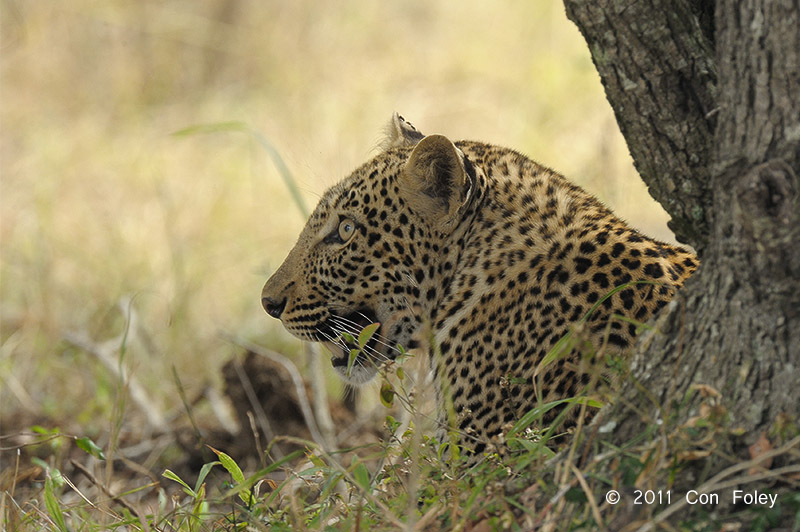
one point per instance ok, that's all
(711, 113)
(658, 68)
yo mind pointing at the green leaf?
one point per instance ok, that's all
(527, 445)
(236, 474)
(351, 358)
(230, 465)
(52, 472)
(361, 476)
(366, 333)
(258, 475)
(531, 416)
(51, 502)
(387, 394)
(349, 338)
(172, 476)
(316, 460)
(50, 436)
(90, 447)
(200, 504)
(441, 450)
(39, 462)
(204, 471)
(392, 423)
(453, 449)
(58, 478)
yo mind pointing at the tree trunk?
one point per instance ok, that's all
(710, 109)
(658, 69)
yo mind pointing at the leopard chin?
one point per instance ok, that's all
(366, 361)
(361, 371)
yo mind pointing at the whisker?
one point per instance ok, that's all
(367, 350)
(349, 327)
(355, 329)
(377, 336)
(357, 362)
(334, 340)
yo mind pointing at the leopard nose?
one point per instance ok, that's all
(273, 307)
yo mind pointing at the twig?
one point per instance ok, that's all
(16, 473)
(88, 474)
(182, 394)
(76, 490)
(257, 437)
(322, 411)
(386, 512)
(305, 407)
(221, 410)
(589, 496)
(715, 484)
(105, 353)
(429, 516)
(263, 420)
(545, 514)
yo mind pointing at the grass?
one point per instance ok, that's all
(414, 482)
(128, 254)
(417, 483)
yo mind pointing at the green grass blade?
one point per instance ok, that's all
(204, 471)
(566, 343)
(277, 160)
(613, 291)
(536, 414)
(53, 507)
(235, 471)
(562, 348)
(172, 476)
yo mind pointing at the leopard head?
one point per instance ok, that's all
(375, 250)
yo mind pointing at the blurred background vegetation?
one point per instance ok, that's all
(104, 211)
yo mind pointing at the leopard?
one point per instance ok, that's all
(480, 257)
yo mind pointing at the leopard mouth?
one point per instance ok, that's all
(344, 339)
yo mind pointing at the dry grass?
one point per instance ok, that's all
(101, 203)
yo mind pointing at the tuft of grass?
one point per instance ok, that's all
(414, 482)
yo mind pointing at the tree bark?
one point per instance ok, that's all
(711, 113)
(657, 66)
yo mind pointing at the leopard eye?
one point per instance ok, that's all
(347, 229)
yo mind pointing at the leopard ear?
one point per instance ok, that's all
(436, 181)
(399, 133)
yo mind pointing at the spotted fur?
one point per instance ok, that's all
(493, 253)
